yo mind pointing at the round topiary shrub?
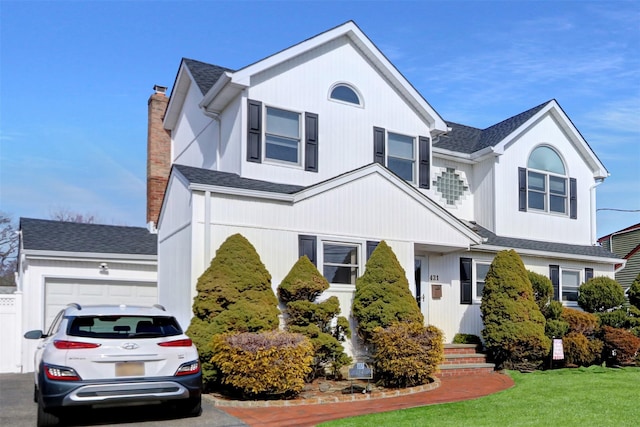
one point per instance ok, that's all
(270, 364)
(513, 324)
(406, 354)
(600, 294)
(634, 293)
(580, 351)
(621, 347)
(542, 289)
(382, 294)
(580, 321)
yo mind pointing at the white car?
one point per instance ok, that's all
(114, 355)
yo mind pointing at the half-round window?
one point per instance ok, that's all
(344, 93)
(546, 159)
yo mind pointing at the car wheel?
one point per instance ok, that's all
(190, 407)
(46, 419)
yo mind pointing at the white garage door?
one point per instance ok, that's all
(60, 292)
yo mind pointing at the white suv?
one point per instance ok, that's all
(114, 355)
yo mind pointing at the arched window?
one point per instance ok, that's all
(344, 93)
(547, 188)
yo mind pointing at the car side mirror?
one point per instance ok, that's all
(34, 335)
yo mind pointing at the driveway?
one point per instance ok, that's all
(17, 409)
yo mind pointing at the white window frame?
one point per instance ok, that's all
(340, 101)
(561, 290)
(359, 259)
(300, 148)
(475, 296)
(547, 194)
(414, 161)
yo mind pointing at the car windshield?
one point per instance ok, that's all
(115, 327)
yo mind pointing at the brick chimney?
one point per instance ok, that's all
(158, 154)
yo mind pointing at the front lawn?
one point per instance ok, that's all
(593, 396)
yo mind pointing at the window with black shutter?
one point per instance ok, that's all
(307, 246)
(554, 276)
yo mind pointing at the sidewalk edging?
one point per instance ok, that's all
(356, 397)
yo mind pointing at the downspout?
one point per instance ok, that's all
(207, 228)
(592, 195)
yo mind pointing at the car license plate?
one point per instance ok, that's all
(129, 369)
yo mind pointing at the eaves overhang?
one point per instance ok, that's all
(548, 254)
(32, 254)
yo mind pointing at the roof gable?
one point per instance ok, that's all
(61, 236)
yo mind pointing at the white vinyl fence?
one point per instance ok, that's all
(10, 332)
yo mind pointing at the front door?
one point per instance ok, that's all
(421, 274)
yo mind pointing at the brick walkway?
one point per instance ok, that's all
(452, 389)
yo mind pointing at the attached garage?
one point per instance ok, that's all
(64, 262)
(60, 292)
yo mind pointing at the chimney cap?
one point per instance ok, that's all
(160, 89)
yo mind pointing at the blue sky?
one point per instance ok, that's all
(75, 78)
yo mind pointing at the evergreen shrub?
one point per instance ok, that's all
(600, 294)
(580, 321)
(621, 347)
(580, 351)
(467, 339)
(270, 364)
(406, 353)
(542, 289)
(555, 328)
(234, 295)
(514, 327)
(553, 310)
(634, 293)
(318, 321)
(620, 318)
(382, 294)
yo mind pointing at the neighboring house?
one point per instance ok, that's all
(63, 262)
(324, 149)
(626, 245)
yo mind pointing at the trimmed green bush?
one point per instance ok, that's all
(542, 289)
(600, 294)
(513, 324)
(620, 318)
(634, 293)
(270, 364)
(317, 321)
(580, 321)
(382, 294)
(234, 295)
(553, 310)
(555, 328)
(621, 347)
(467, 339)
(406, 354)
(580, 351)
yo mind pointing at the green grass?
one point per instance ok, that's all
(593, 396)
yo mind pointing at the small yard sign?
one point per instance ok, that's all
(360, 371)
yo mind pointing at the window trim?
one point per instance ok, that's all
(414, 150)
(300, 140)
(579, 273)
(474, 293)
(358, 265)
(569, 196)
(360, 103)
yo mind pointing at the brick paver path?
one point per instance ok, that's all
(452, 389)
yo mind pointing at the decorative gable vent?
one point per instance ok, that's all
(451, 186)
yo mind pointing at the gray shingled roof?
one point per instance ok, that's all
(536, 245)
(204, 74)
(47, 235)
(467, 139)
(226, 179)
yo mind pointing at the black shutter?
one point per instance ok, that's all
(573, 198)
(311, 142)
(307, 246)
(424, 173)
(371, 246)
(588, 274)
(465, 281)
(554, 275)
(522, 189)
(378, 145)
(254, 131)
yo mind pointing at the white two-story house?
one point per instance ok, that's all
(324, 149)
